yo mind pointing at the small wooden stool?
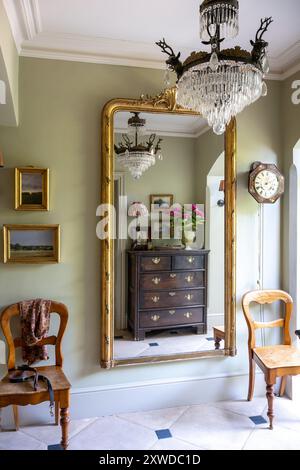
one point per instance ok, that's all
(219, 335)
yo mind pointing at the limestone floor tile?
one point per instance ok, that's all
(124, 349)
(212, 428)
(255, 407)
(157, 419)
(19, 441)
(173, 444)
(287, 414)
(52, 434)
(113, 433)
(278, 439)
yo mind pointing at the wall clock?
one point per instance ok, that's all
(266, 183)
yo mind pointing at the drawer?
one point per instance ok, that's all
(173, 280)
(189, 262)
(158, 318)
(156, 263)
(179, 298)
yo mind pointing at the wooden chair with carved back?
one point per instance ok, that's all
(21, 394)
(275, 361)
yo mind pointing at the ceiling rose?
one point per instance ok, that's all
(221, 83)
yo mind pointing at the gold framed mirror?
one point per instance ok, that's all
(164, 104)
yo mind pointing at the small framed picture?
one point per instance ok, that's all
(162, 201)
(31, 244)
(31, 189)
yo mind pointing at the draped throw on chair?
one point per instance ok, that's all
(35, 320)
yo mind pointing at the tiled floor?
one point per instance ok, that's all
(162, 343)
(223, 425)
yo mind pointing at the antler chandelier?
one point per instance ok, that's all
(221, 83)
(138, 157)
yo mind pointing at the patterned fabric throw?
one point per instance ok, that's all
(35, 320)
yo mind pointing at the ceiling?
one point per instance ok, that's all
(123, 32)
(173, 125)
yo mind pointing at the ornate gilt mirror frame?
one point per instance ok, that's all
(164, 103)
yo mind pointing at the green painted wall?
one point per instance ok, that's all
(60, 108)
(175, 174)
(208, 147)
(9, 70)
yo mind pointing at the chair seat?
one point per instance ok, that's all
(275, 357)
(55, 374)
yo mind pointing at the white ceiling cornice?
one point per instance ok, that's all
(32, 41)
(31, 17)
(25, 20)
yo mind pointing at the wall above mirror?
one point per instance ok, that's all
(168, 251)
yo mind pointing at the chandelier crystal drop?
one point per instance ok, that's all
(224, 14)
(221, 83)
(134, 156)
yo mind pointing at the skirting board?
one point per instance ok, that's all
(141, 396)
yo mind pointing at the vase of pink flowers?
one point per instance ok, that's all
(189, 217)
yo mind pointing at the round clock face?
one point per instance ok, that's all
(266, 184)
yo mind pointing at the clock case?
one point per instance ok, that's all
(256, 168)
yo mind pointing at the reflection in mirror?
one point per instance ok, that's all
(169, 262)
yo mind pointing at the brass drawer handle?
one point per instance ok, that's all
(172, 312)
(155, 318)
(173, 276)
(155, 299)
(189, 297)
(172, 294)
(156, 280)
(188, 315)
(189, 278)
(155, 260)
(191, 260)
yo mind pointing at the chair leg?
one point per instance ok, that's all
(57, 413)
(16, 417)
(64, 422)
(282, 386)
(270, 398)
(251, 379)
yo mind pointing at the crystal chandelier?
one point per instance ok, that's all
(138, 157)
(221, 83)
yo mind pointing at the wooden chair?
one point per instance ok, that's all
(275, 361)
(22, 393)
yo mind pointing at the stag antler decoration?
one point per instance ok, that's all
(173, 62)
(204, 78)
(260, 45)
(264, 25)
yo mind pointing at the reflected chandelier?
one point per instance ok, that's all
(221, 83)
(138, 157)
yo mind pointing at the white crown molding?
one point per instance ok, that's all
(16, 22)
(31, 41)
(25, 20)
(286, 59)
(107, 51)
(32, 18)
(164, 133)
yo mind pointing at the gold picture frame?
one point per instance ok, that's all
(31, 189)
(163, 103)
(41, 248)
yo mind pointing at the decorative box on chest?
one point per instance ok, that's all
(167, 290)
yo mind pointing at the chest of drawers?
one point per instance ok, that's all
(167, 289)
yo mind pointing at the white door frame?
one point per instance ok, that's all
(293, 388)
(120, 252)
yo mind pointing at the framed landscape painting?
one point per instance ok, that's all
(36, 244)
(161, 201)
(31, 189)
